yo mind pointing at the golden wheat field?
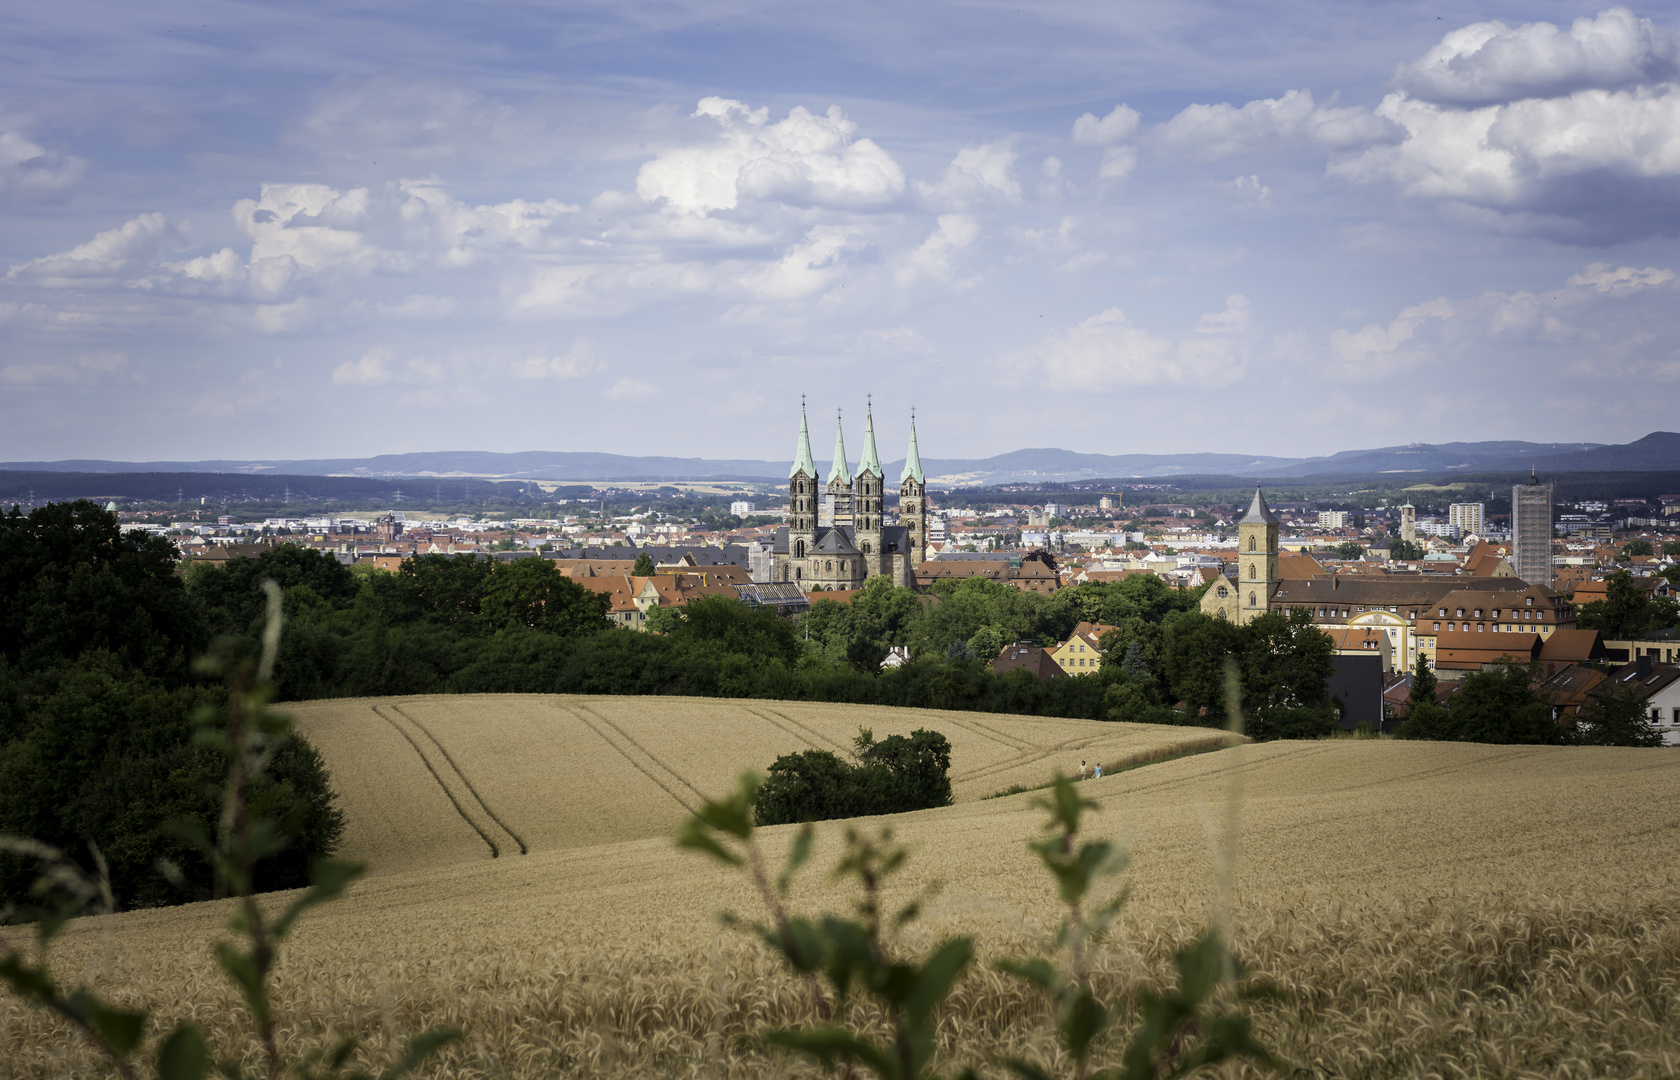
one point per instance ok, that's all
(1425, 910)
(432, 780)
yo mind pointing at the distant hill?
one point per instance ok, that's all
(1656, 452)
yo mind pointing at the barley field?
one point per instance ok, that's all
(1426, 910)
(428, 781)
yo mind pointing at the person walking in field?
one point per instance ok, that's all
(1083, 769)
(1099, 770)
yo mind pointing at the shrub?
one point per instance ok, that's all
(889, 777)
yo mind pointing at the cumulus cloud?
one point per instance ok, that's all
(1623, 279)
(1222, 130)
(1108, 352)
(934, 256)
(1121, 123)
(312, 225)
(30, 169)
(632, 390)
(1378, 351)
(1490, 63)
(372, 368)
(977, 174)
(803, 160)
(575, 363)
(109, 255)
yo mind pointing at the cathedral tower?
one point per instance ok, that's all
(868, 493)
(912, 506)
(802, 495)
(1257, 559)
(839, 481)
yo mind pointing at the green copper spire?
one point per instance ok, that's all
(802, 455)
(871, 462)
(913, 460)
(839, 470)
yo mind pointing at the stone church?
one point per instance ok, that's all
(837, 536)
(1257, 568)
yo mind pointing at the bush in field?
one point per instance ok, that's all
(890, 776)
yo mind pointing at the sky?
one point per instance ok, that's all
(234, 230)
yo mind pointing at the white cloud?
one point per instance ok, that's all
(632, 390)
(1490, 63)
(108, 255)
(804, 160)
(1377, 351)
(1108, 352)
(1120, 123)
(28, 168)
(1222, 130)
(577, 362)
(1622, 279)
(1118, 162)
(313, 225)
(373, 368)
(976, 174)
(933, 257)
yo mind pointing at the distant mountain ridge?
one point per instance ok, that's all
(1656, 452)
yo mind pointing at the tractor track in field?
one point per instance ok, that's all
(448, 792)
(648, 765)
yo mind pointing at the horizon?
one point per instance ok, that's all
(1280, 230)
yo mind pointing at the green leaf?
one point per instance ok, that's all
(119, 1030)
(798, 856)
(183, 1055)
(694, 837)
(31, 983)
(421, 1047)
(1038, 971)
(828, 1044)
(328, 878)
(1084, 1020)
(939, 972)
(242, 969)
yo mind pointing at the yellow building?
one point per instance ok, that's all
(1258, 577)
(1080, 654)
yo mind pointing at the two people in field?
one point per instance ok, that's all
(1084, 770)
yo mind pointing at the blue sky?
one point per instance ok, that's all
(237, 230)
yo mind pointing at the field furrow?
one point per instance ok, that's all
(448, 778)
(465, 780)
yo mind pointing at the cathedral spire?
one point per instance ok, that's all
(802, 454)
(913, 460)
(839, 470)
(871, 462)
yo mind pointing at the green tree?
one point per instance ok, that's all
(1406, 550)
(1350, 550)
(1671, 549)
(1625, 611)
(1635, 547)
(1193, 654)
(1498, 706)
(1617, 716)
(644, 565)
(531, 593)
(1285, 664)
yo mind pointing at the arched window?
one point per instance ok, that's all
(798, 574)
(1251, 602)
(831, 564)
(1251, 543)
(799, 550)
(866, 547)
(1252, 572)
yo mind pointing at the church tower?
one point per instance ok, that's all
(839, 481)
(867, 495)
(912, 507)
(1257, 559)
(802, 495)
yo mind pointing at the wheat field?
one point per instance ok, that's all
(433, 780)
(1427, 910)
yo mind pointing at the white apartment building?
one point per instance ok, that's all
(1467, 517)
(741, 508)
(1332, 519)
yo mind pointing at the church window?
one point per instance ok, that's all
(1223, 592)
(866, 547)
(831, 564)
(798, 574)
(1251, 543)
(1251, 602)
(1252, 573)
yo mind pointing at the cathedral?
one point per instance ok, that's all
(837, 536)
(1258, 579)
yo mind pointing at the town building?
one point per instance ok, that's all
(1466, 518)
(1258, 576)
(1081, 653)
(1408, 523)
(1531, 531)
(852, 543)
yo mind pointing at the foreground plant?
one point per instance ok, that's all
(247, 735)
(843, 959)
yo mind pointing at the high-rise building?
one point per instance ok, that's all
(1466, 517)
(1531, 531)
(1333, 519)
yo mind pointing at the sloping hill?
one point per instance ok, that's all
(1425, 909)
(429, 781)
